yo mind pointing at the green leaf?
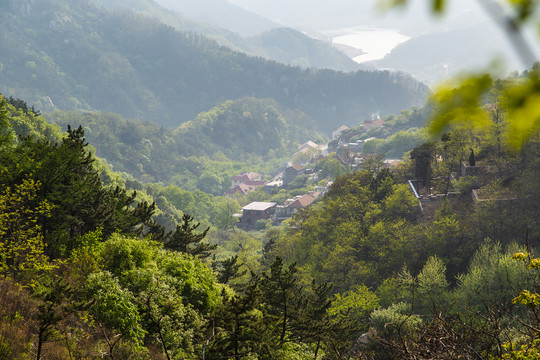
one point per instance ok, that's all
(438, 6)
(522, 101)
(460, 103)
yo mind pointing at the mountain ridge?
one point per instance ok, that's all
(268, 42)
(77, 56)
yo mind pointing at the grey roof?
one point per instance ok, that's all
(261, 206)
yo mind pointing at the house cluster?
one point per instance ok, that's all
(247, 182)
(352, 150)
(257, 210)
(309, 152)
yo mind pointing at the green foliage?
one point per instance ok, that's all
(357, 303)
(528, 347)
(121, 254)
(225, 208)
(432, 283)
(395, 321)
(186, 240)
(72, 188)
(492, 277)
(465, 184)
(56, 299)
(239, 325)
(349, 238)
(5, 349)
(401, 202)
(515, 351)
(280, 291)
(330, 167)
(21, 247)
(166, 295)
(114, 307)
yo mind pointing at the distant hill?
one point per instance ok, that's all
(290, 46)
(271, 42)
(221, 13)
(434, 57)
(72, 55)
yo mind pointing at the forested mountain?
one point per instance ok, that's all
(269, 41)
(244, 131)
(223, 14)
(74, 55)
(292, 47)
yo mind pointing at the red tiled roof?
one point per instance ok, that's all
(249, 176)
(254, 183)
(245, 188)
(240, 177)
(304, 201)
(242, 189)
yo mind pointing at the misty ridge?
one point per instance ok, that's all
(86, 58)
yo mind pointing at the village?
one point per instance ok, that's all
(302, 163)
(427, 189)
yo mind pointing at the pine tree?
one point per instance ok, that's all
(79, 201)
(186, 240)
(282, 296)
(238, 331)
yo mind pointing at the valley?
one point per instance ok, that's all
(196, 180)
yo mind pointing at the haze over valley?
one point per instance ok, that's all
(268, 180)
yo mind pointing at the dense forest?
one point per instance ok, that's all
(223, 141)
(243, 32)
(371, 271)
(66, 55)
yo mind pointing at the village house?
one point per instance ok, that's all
(292, 172)
(244, 183)
(255, 211)
(337, 133)
(290, 206)
(245, 177)
(242, 189)
(371, 124)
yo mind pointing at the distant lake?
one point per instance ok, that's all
(375, 43)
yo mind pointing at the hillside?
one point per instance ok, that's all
(235, 134)
(264, 38)
(221, 13)
(85, 263)
(76, 56)
(292, 47)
